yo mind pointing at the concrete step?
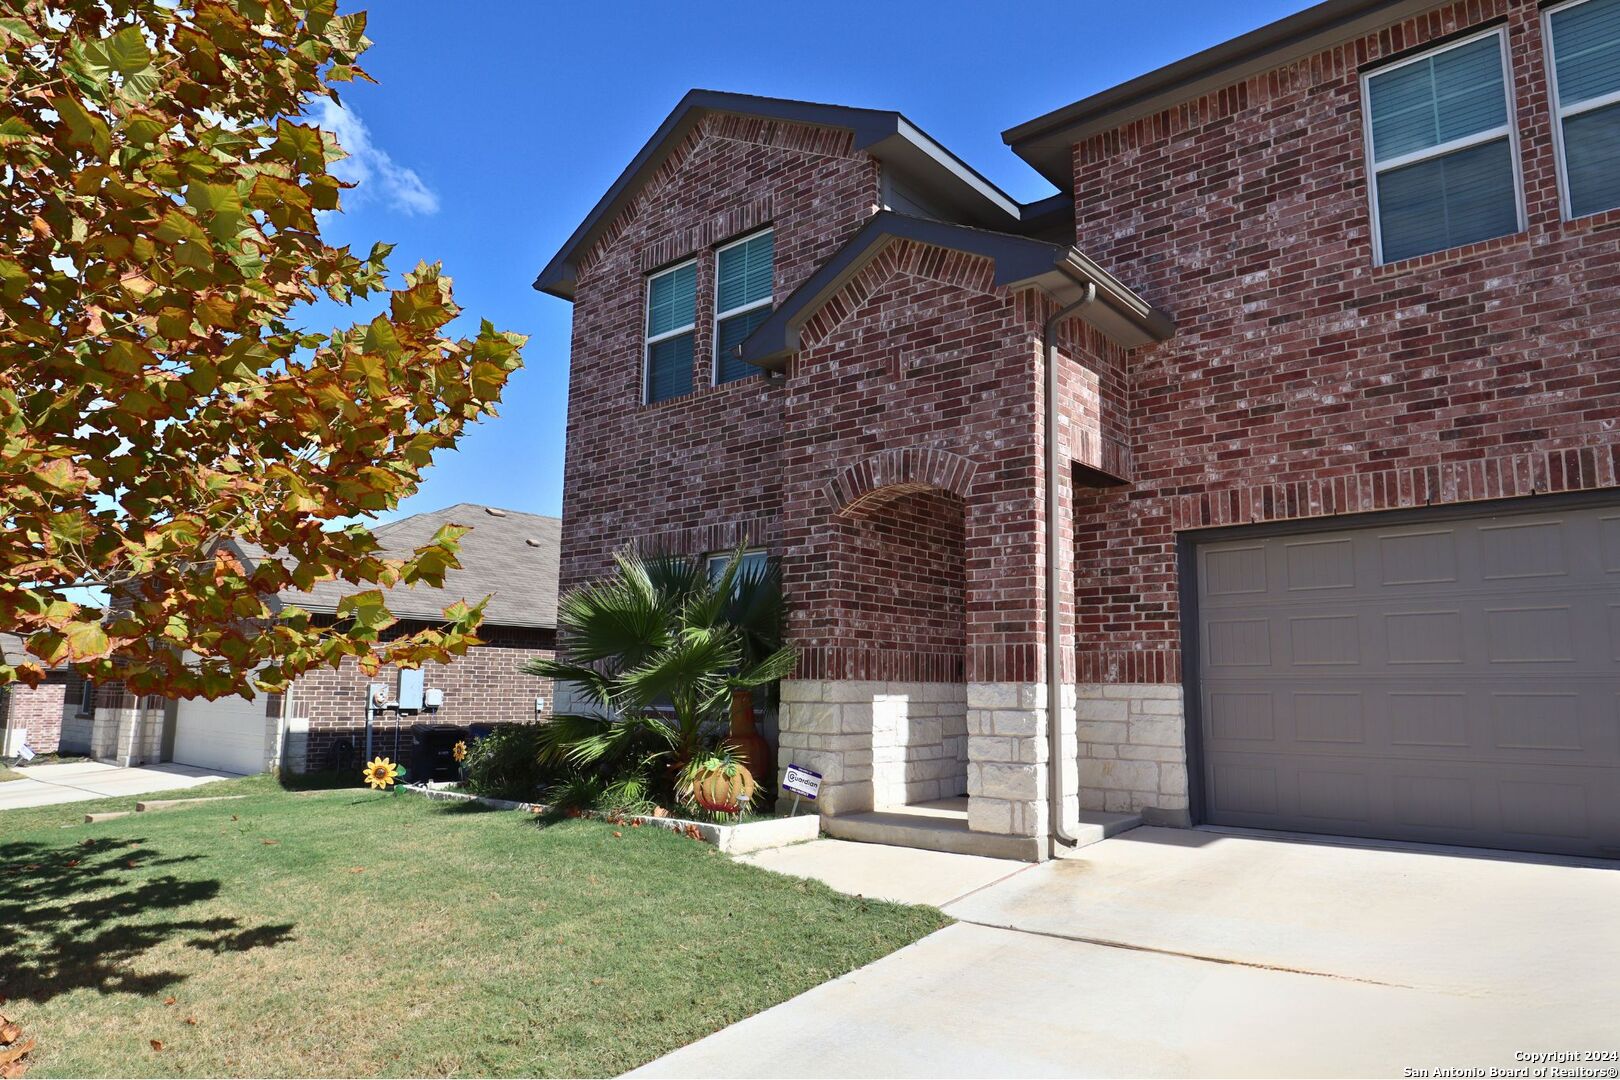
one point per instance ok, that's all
(943, 826)
(928, 832)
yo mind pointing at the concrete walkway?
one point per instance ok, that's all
(1167, 952)
(903, 875)
(81, 781)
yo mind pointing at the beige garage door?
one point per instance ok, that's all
(228, 734)
(1454, 681)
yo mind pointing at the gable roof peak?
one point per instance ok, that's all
(903, 148)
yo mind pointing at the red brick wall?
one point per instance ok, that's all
(484, 686)
(1303, 380)
(919, 354)
(37, 711)
(903, 557)
(702, 472)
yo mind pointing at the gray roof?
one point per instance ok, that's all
(883, 133)
(508, 554)
(1062, 270)
(1047, 142)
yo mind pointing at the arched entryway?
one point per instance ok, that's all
(906, 548)
(879, 597)
(913, 586)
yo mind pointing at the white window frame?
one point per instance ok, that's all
(721, 316)
(1560, 113)
(1510, 129)
(649, 340)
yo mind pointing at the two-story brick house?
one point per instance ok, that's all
(1310, 379)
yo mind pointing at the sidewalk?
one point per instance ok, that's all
(81, 781)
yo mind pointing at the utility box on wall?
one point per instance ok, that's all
(411, 681)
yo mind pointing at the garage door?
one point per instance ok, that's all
(228, 734)
(1453, 681)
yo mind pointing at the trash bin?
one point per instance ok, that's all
(478, 731)
(433, 752)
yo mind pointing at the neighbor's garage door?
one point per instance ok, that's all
(1456, 681)
(228, 734)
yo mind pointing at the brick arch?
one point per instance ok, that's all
(890, 473)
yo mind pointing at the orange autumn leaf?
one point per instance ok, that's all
(164, 269)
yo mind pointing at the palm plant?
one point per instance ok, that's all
(656, 650)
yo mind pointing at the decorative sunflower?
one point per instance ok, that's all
(382, 773)
(459, 751)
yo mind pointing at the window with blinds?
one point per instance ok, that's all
(1583, 50)
(1442, 148)
(742, 300)
(671, 320)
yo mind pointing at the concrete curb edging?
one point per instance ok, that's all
(147, 806)
(730, 839)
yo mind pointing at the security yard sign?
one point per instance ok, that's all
(801, 781)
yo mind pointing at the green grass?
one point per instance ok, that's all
(7, 774)
(389, 935)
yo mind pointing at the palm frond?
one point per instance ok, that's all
(778, 665)
(757, 611)
(588, 682)
(698, 656)
(706, 606)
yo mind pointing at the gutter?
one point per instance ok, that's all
(1054, 574)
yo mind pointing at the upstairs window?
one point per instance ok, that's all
(671, 320)
(1583, 47)
(1442, 149)
(742, 300)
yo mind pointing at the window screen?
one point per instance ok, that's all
(1584, 42)
(742, 300)
(671, 316)
(1441, 146)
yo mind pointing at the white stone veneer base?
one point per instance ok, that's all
(876, 744)
(1133, 750)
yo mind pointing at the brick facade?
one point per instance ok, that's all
(485, 686)
(1303, 380)
(897, 467)
(701, 472)
(36, 712)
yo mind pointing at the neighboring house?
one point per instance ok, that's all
(1336, 343)
(508, 555)
(51, 718)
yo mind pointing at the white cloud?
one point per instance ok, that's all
(371, 168)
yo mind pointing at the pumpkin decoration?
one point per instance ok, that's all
(723, 787)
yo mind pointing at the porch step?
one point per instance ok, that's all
(943, 826)
(902, 828)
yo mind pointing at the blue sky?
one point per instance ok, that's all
(497, 124)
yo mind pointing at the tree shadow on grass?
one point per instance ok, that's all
(468, 806)
(78, 917)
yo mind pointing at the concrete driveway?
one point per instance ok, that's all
(80, 781)
(1166, 952)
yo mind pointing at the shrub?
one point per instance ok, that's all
(657, 650)
(505, 764)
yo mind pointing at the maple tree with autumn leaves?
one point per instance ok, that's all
(159, 239)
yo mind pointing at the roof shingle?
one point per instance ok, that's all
(508, 555)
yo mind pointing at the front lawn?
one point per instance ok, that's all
(353, 934)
